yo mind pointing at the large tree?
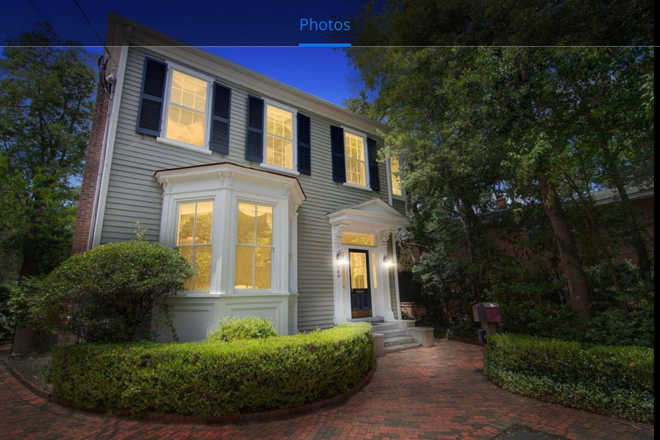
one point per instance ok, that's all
(470, 122)
(45, 115)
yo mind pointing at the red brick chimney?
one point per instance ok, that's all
(93, 166)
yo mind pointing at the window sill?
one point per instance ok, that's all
(363, 188)
(183, 145)
(279, 169)
(401, 198)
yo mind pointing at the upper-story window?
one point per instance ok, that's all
(356, 159)
(187, 109)
(279, 137)
(193, 240)
(395, 177)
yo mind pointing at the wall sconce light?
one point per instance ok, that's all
(341, 257)
(387, 260)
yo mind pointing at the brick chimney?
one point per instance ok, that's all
(93, 166)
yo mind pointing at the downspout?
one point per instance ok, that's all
(108, 145)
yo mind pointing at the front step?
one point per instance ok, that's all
(399, 340)
(396, 336)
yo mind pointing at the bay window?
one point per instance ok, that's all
(254, 246)
(193, 240)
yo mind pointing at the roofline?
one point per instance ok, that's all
(113, 40)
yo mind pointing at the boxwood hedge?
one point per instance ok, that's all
(615, 381)
(211, 378)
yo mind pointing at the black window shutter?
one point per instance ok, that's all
(254, 150)
(304, 145)
(372, 150)
(338, 158)
(151, 97)
(220, 122)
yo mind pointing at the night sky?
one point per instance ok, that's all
(323, 72)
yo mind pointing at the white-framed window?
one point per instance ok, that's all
(193, 240)
(254, 246)
(395, 177)
(280, 136)
(187, 108)
(355, 146)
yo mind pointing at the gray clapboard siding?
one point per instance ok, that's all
(134, 195)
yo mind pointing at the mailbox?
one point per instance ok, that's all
(486, 312)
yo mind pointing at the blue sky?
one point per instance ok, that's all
(324, 72)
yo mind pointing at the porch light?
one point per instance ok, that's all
(387, 260)
(341, 257)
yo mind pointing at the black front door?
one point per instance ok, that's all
(358, 265)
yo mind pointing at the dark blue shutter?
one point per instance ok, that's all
(254, 149)
(220, 122)
(338, 159)
(151, 97)
(304, 145)
(372, 150)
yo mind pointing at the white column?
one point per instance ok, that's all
(339, 300)
(385, 296)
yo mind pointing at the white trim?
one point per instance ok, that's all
(279, 169)
(363, 188)
(395, 260)
(179, 144)
(294, 137)
(171, 67)
(110, 142)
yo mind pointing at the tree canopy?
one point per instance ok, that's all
(45, 116)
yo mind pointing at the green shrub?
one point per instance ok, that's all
(210, 379)
(231, 329)
(615, 381)
(111, 293)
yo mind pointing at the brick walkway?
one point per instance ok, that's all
(430, 393)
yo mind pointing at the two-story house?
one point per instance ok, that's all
(276, 197)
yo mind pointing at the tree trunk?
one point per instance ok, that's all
(637, 240)
(578, 286)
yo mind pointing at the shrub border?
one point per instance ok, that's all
(177, 418)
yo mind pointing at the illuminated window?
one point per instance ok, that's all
(395, 176)
(193, 241)
(254, 246)
(373, 270)
(356, 164)
(279, 137)
(186, 112)
(358, 239)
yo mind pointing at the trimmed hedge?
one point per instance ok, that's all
(231, 329)
(211, 378)
(615, 381)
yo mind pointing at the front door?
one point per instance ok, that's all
(358, 266)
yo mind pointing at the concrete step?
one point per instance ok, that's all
(387, 334)
(379, 328)
(399, 340)
(395, 348)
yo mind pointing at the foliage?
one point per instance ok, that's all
(45, 115)
(232, 329)
(110, 293)
(211, 379)
(505, 23)
(615, 381)
(6, 315)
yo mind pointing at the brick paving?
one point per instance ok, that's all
(426, 393)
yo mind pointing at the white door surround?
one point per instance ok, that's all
(371, 217)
